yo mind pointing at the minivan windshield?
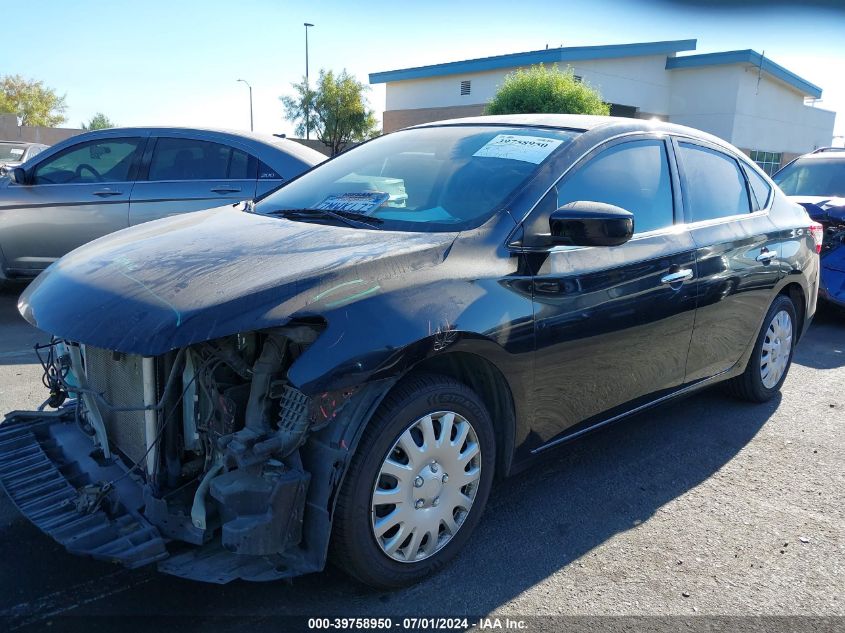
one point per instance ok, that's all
(813, 177)
(10, 153)
(446, 178)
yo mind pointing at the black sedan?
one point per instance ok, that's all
(342, 367)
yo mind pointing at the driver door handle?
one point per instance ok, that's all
(766, 256)
(225, 189)
(673, 278)
(105, 193)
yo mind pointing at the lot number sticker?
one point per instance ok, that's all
(531, 149)
(358, 202)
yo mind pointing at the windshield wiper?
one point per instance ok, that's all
(347, 217)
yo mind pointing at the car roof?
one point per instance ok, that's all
(27, 143)
(822, 156)
(582, 123)
(289, 147)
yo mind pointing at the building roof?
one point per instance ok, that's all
(747, 56)
(546, 56)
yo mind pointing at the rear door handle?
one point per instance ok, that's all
(673, 278)
(766, 256)
(225, 189)
(105, 193)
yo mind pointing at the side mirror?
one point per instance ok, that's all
(19, 175)
(586, 223)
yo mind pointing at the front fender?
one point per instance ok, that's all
(383, 336)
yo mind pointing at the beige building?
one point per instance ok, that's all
(741, 96)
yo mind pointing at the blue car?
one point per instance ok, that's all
(817, 182)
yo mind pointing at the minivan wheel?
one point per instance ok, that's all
(417, 484)
(772, 356)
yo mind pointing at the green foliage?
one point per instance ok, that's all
(546, 90)
(300, 108)
(99, 122)
(30, 100)
(336, 110)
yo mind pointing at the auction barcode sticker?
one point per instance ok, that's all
(360, 202)
(531, 149)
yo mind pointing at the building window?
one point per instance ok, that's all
(465, 87)
(769, 162)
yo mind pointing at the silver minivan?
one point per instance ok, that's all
(103, 181)
(14, 153)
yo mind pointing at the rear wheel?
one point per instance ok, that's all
(772, 355)
(417, 484)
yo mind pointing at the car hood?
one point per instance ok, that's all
(822, 208)
(199, 276)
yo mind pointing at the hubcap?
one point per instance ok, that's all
(777, 346)
(426, 486)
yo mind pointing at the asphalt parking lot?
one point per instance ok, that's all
(706, 506)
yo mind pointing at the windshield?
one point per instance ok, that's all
(10, 153)
(427, 179)
(813, 177)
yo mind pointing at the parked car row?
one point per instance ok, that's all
(343, 366)
(100, 182)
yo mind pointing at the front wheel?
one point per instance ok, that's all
(772, 355)
(417, 484)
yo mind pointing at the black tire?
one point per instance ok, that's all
(749, 385)
(354, 547)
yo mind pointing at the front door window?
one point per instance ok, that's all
(105, 160)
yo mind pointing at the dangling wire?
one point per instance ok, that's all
(53, 374)
(108, 486)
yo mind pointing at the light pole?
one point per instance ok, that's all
(307, 85)
(250, 103)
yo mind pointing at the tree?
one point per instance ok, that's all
(546, 90)
(300, 108)
(99, 122)
(30, 100)
(336, 110)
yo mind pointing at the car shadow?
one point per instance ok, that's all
(823, 347)
(536, 524)
(17, 337)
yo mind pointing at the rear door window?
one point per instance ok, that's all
(634, 176)
(265, 172)
(194, 159)
(760, 189)
(106, 160)
(714, 184)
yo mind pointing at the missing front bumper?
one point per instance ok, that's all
(48, 465)
(45, 461)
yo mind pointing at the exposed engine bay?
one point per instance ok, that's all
(204, 445)
(830, 213)
(834, 233)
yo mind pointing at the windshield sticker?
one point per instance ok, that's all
(361, 202)
(531, 149)
(16, 151)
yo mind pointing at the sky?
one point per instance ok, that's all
(177, 62)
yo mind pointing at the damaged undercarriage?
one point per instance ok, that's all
(204, 459)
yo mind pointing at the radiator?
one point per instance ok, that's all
(118, 377)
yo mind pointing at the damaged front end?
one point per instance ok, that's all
(205, 459)
(830, 213)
